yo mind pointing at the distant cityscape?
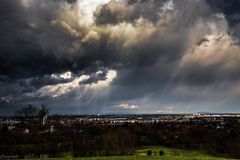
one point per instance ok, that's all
(105, 135)
(216, 120)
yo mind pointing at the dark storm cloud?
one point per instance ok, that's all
(21, 55)
(151, 45)
(229, 8)
(31, 46)
(232, 12)
(40, 81)
(115, 12)
(142, 81)
(198, 75)
(129, 11)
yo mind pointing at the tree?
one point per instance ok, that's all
(28, 111)
(149, 153)
(161, 153)
(44, 110)
(43, 113)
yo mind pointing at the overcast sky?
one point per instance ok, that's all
(120, 56)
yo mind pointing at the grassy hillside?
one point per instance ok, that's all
(169, 154)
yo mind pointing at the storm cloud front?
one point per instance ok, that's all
(120, 56)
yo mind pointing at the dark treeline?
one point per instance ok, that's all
(77, 140)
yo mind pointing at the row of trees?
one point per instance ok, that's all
(30, 111)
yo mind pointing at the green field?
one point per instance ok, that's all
(141, 154)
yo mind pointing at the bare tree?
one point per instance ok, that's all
(43, 113)
(44, 110)
(28, 111)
